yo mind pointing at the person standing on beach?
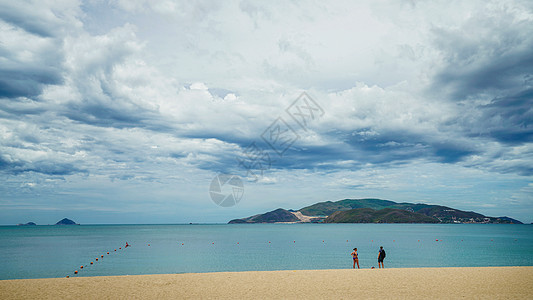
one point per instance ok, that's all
(381, 257)
(355, 258)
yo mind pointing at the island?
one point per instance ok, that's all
(66, 221)
(27, 224)
(373, 211)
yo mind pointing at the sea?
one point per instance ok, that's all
(59, 251)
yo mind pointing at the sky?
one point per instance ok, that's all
(128, 111)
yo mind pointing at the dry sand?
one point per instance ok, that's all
(422, 283)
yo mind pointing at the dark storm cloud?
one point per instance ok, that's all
(51, 168)
(523, 170)
(486, 71)
(354, 152)
(319, 157)
(104, 115)
(33, 60)
(5, 164)
(16, 13)
(488, 54)
(451, 152)
(46, 167)
(397, 146)
(510, 119)
(387, 146)
(507, 120)
(499, 74)
(27, 81)
(20, 107)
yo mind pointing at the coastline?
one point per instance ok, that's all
(417, 283)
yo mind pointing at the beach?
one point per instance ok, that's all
(413, 283)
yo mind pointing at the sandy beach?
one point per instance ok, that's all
(415, 283)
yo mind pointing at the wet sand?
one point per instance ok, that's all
(415, 283)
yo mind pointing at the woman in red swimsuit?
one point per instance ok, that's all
(355, 258)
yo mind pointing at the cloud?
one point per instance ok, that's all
(29, 63)
(15, 166)
(31, 50)
(46, 19)
(509, 119)
(490, 53)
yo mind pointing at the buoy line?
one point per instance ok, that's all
(96, 259)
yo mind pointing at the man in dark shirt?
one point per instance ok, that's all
(381, 257)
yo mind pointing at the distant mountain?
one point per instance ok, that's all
(276, 216)
(27, 224)
(395, 213)
(66, 221)
(443, 213)
(385, 215)
(510, 220)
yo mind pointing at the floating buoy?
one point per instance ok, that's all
(419, 240)
(81, 267)
(372, 241)
(182, 244)
(148, 245)
(346, 241)
(115, 249)
(107, 253)
(76, 272)
(269, 242)
(97, 259)
(119, 248)
(68, 276)
(436, 240)
(394, 240)
(91, 262)
(237, 243)
(294, 241)
(101, 256)
(322, 241)
(213, 243)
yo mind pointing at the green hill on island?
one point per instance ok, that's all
(373, 211)
(329, 207)
(276, 216)
(385, 215)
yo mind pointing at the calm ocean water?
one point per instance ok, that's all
(57, 251)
